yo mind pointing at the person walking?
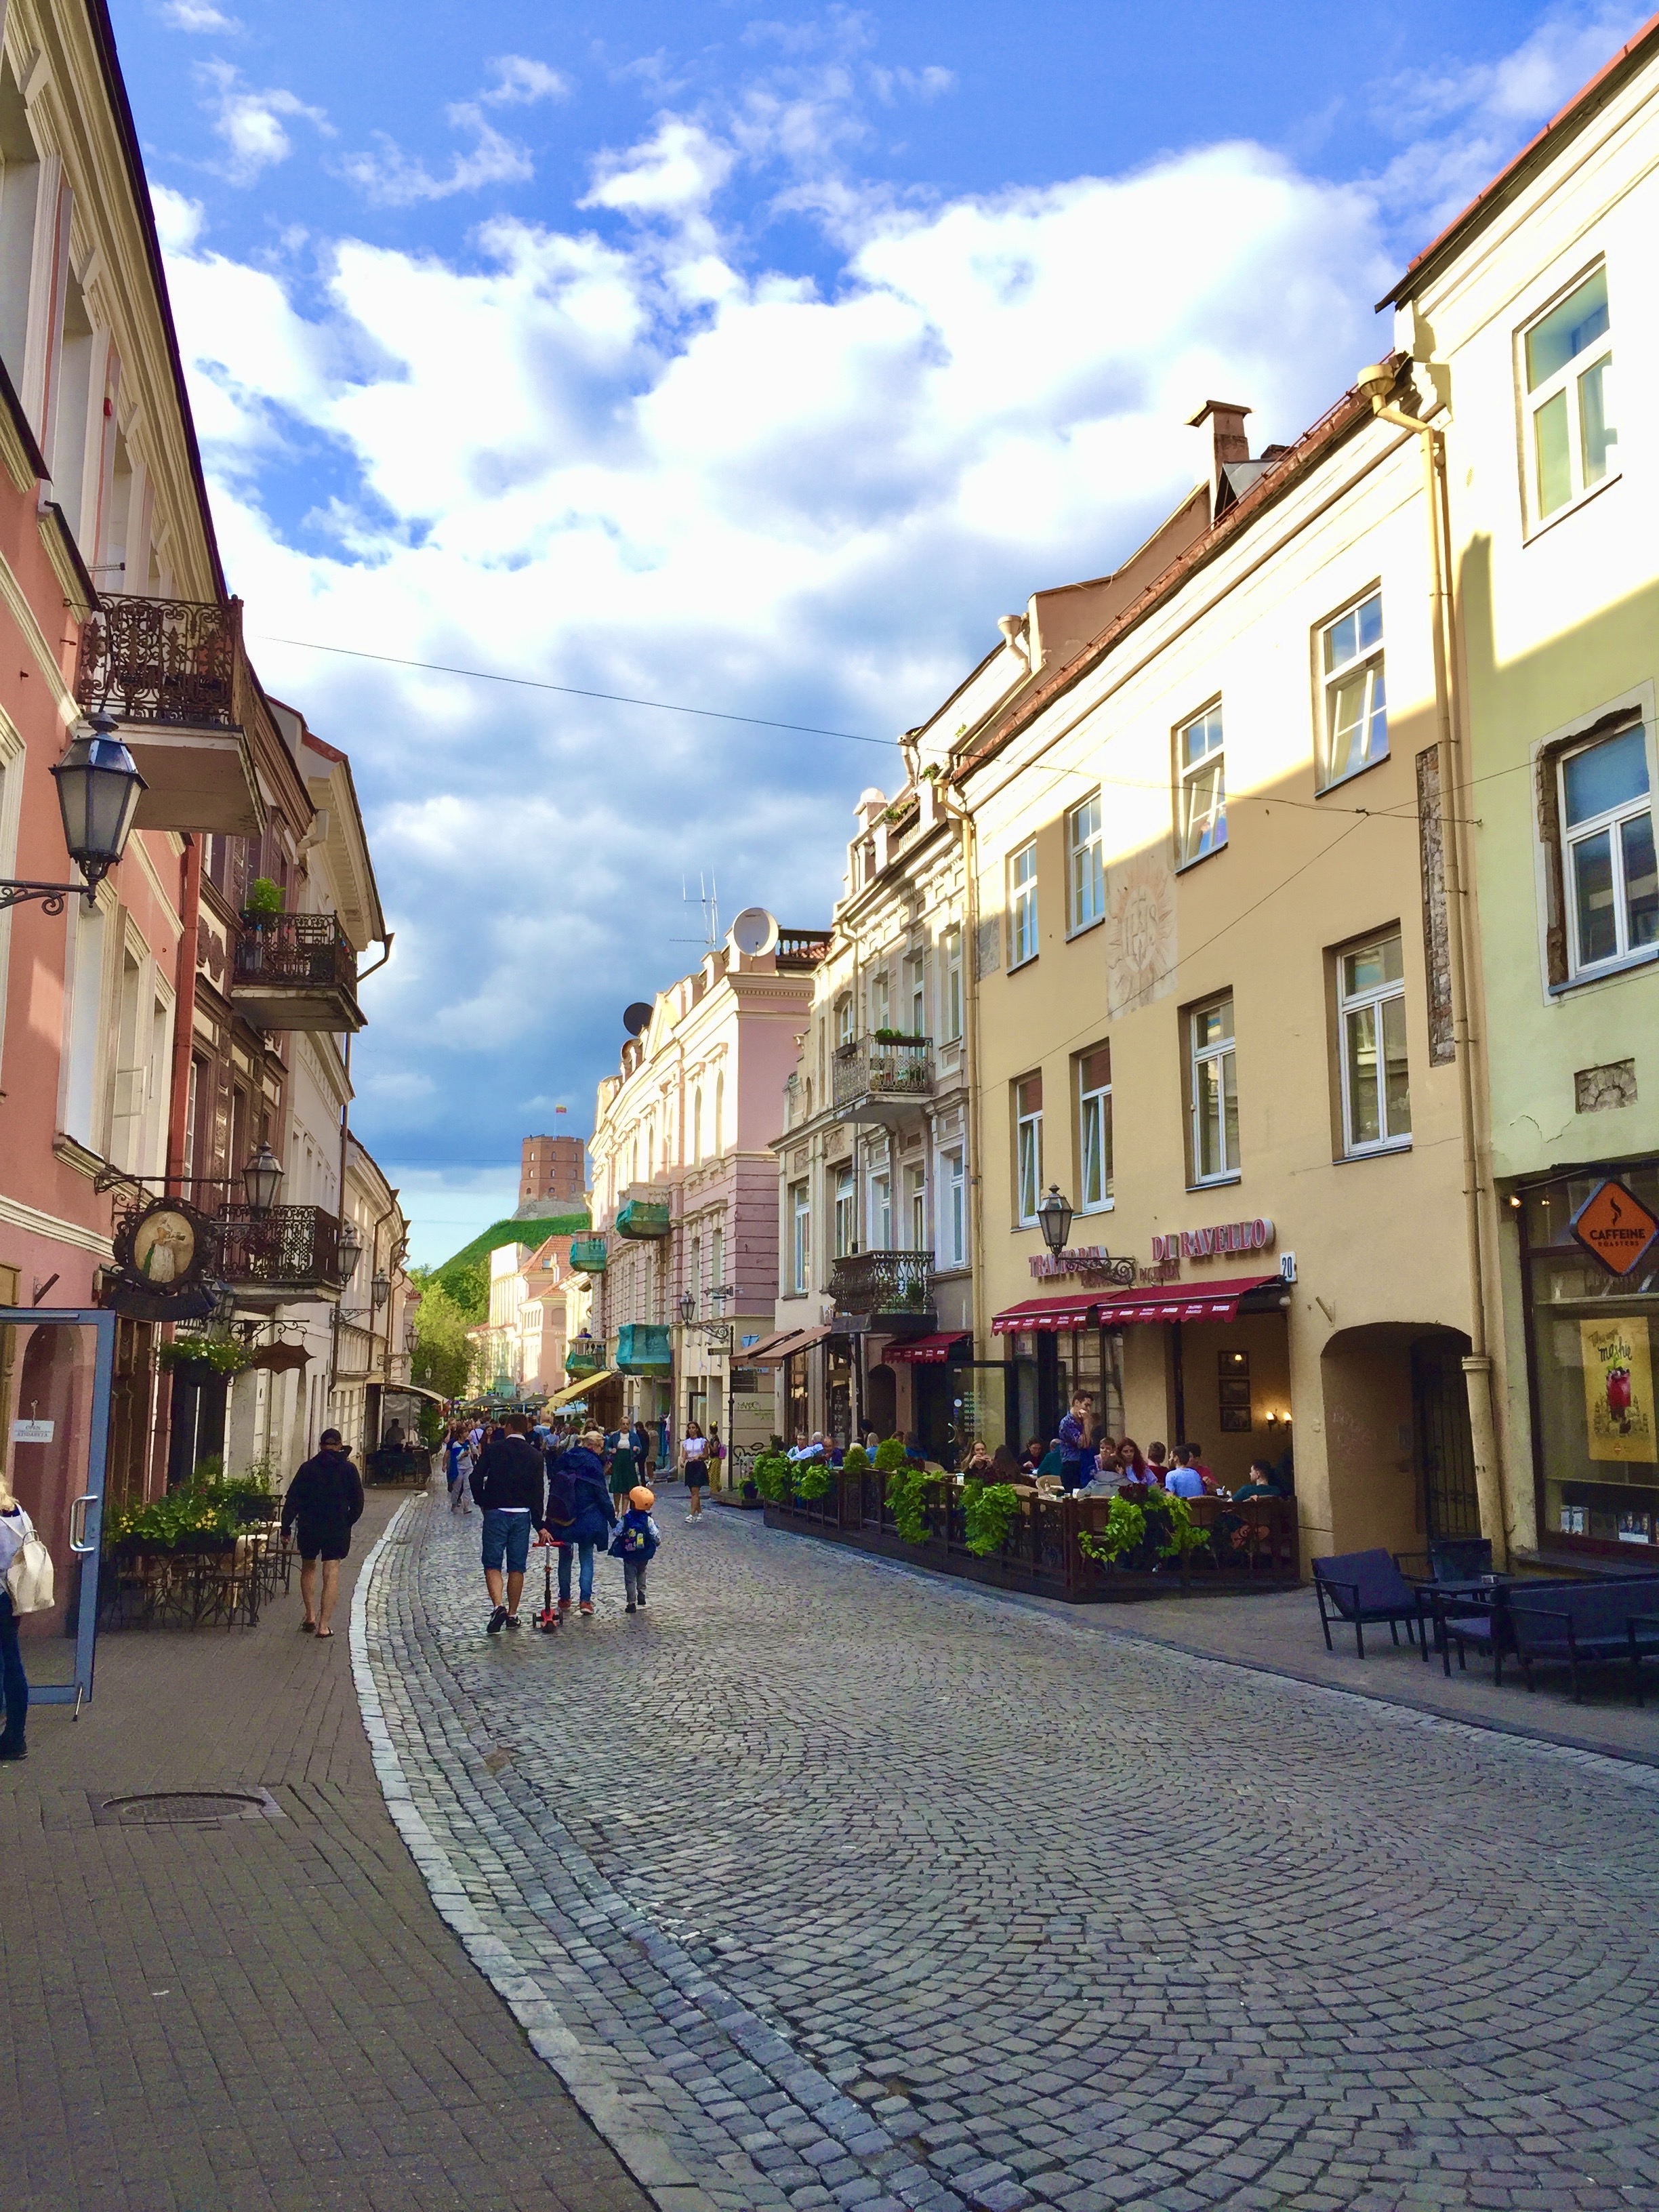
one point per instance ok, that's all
(509, 1484)
(639, 1436)
(592, 1516)
(323, 1503)
(693, 1467)
(15, 1530)
(457, 1466)
(635, 1545)
(622, 1474)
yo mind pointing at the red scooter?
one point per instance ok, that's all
(549, 1618)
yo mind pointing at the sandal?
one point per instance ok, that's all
(307, 1628)
(324, 1635)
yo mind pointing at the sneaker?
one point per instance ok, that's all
(564, 1605)
(641, 1600)
(497, 1621)
(511, 1620)
(13, 1751)
(629, 1607)
(586, 1606)
(693, 1516)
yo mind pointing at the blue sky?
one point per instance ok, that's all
(757, 361)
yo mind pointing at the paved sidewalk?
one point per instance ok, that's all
(840, 1886)
(266, 2016)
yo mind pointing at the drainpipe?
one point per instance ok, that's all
(1375, 384)
(183, 1011)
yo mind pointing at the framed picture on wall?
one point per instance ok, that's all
(1234, 1388)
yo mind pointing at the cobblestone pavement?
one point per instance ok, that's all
(824, 1884)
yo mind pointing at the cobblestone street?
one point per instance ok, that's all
(823, 1884)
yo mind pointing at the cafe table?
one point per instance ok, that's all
(1467, 1597)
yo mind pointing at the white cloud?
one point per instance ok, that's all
(392, 177)
(520, 81)
(196, 15)
(250, 122)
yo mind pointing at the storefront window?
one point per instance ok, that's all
(1593, 1357)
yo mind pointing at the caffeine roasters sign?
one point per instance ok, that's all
(1214, 1244)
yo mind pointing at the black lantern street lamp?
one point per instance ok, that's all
(688, 1308)
(1055, 1219)
(351, 1248)
(262, 1179)
(380, 1289)
(99, 788)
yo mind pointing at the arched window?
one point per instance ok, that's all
(697, 1127)
(650, 1151)
(720, 1114)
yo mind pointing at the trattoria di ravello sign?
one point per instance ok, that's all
(1216, 1243)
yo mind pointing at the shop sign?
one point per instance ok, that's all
(1615, 1226)
(1214, 1244)
(1081, 1259)
(164, 1253)
(1618, 1388)
(32, 1432)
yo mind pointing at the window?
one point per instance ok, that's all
(1087, 871)
(915, 1207)
(844, 1018)
(1022, 904)
(719, 1114)
(915, 971)
(846, 1226)
(953, 1217)
(85, 1026)
(717, 1263)
(697, 1127)
(951, 1010)
(1376, 1105)
(1569, 375)
(880, 995)
(881, 1213)
(1214, 1083)
(1094, 1085)
(1203, 801)
(1356, 705)
(1028, 1148)
(800, 1206)
(1606, 823)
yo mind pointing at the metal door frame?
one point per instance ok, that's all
(88, 1550)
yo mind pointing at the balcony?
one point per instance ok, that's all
(587, 1255)
(882, 1078)
(295, 971)
(643, 1348)
(585, 1356)
(287, 1253)
(799, 951)
(173, 674)
(894, 1290)
(644, 1217)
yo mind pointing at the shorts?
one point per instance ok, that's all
(697, 1474)
(316, 1542)
(507, 1540)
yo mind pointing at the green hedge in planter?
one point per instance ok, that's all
(990, 1509)
(907, 1494)
(772, 1473)
(856, 1461)
(814, 1478)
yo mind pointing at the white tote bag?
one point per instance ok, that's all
(29, 1578)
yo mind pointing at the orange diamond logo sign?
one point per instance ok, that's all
(1613, 1223)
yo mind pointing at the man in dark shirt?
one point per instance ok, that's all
(510, 1484)
(325, 1499)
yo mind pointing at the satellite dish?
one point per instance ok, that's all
(755, 930)
(637, 1019)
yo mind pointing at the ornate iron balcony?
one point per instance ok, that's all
(878, 1079)
(295, 971)
(587, 1254)
(162, 660)
(884, 1283)
(290, 1250)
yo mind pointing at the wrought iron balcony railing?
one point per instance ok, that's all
(162, 660)
(295, 971)
(587, 1254)
(883, 1283)
(292, 1249)
(875, 1074)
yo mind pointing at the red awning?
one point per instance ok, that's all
(926, 1351)
(1180, 1302)
(1045, 1313)
(775, 1350)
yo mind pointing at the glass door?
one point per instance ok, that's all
(56, 1369)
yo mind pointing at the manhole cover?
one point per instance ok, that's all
(186, 1808)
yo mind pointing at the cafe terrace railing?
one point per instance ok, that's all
(1252, 1545)
(876, 1070)
(883, 1283)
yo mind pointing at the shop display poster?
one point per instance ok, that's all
(1618, 1388)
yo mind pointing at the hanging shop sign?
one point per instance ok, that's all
(1618, 1388)
(1215, 1243)
(1615, 1227)
(163, 1253)
(1082, 1260)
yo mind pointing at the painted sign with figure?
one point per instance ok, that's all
(1617, 1389)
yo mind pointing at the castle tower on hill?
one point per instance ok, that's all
(552, 1175)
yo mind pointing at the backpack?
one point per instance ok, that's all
(29, 1578)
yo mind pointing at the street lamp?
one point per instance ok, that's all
(1055, 1219)
(380, 1289)
(99, 788)
(262, 1179)
(351, 1248)
(689, 1309)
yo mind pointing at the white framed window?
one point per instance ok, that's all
(697, 1127)
(916, 978)
(1202, 800)
(1356, 701)
(717, 1261)
(844, 1018)
(1571, 443)
(1094, 1125)
(1023, 904)
(881, 1212)
(952, 1246)
(845, 1223)
(1087, 869)
(1376, 1099)
(1212, 1078)
(800, 1209)
(1607, 828)
(1028, 1148)
(880, 1000)
(719, 1114)
(950, 996)
(915, 1207)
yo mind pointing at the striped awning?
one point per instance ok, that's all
(926, 1351)
(1045, 1313)
(580, 1387)
(1180, 1302)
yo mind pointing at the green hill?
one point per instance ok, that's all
(465, 1275)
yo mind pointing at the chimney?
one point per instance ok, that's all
(1227, 443)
